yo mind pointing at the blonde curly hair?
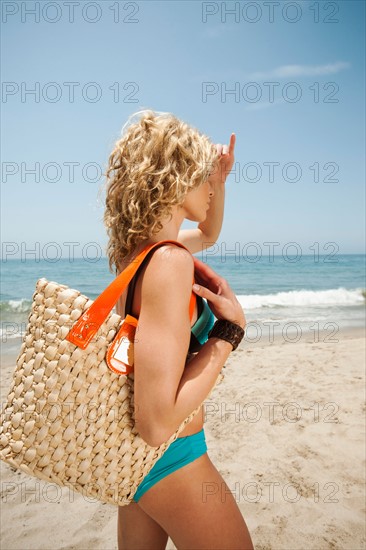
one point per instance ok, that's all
(152, 167)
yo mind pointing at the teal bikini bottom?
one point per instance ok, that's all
(181, 452)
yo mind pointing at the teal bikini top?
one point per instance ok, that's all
(203, 325)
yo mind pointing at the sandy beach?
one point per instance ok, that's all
(286, 429)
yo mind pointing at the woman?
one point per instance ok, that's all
(161, 172)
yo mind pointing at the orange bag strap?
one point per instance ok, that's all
(92, 319)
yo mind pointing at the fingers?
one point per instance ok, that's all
(207, 276)
(232, 143)
(204, 292)
(219, 149)
(205, 271)
(205, 268)
(227, 149)
(211, 284)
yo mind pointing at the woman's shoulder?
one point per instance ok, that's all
(170, 259)
(173, 252)
(166, 280)
(169, 252)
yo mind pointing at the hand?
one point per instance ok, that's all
(220, 297)
(226, 160)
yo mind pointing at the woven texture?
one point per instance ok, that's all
(68, 418)
(226, 330)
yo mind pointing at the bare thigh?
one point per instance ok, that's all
(138, 531)
(197, 510)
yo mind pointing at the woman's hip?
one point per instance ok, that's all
(181, 452)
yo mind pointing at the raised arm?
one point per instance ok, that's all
(208, 231)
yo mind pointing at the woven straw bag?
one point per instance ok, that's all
(69, 418)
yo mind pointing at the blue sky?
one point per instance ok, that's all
(185, 57)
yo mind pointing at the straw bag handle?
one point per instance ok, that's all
(89, 323)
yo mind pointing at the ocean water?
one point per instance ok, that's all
(279, 296)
